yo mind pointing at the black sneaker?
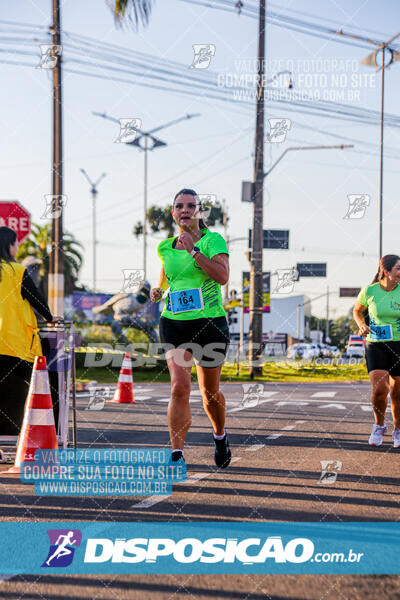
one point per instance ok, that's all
(177, 456)
(223, 453)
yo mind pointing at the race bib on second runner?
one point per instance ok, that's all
(381, 332)
(185, 300)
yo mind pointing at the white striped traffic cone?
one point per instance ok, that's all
(124, 391)
(38, 429)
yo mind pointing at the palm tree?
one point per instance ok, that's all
(38, 245)
(134, 10)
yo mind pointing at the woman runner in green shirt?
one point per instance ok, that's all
(381, 300)
(193, 323)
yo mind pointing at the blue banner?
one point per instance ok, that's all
(201, 547)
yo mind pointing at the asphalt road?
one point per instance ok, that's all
(278, 441)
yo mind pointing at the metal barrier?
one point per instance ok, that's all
(58, 345)
(60, 353)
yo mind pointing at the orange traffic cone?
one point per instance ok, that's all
(38, 429)
(124, 391)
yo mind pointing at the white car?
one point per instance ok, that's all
(355, 349)
(316, 350)
(335, 352)
(301, 351)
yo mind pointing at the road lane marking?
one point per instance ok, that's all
(196, 477)
(323, 395)
(151, 501)
(169, 398)
(244, 406)
(320, 401)
(254, 448)
(292, 403)
(275, 436)
(338, 406)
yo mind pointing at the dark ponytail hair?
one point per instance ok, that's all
(386, 263)
(7, 237)
(190, 192)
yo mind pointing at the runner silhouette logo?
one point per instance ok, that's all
(62, 547)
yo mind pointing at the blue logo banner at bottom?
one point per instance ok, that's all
(199, 547)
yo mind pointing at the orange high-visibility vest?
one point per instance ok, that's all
(19, 333)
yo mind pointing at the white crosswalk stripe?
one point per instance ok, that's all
(254, 448)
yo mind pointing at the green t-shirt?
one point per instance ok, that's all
(383, 308)
(182, 273)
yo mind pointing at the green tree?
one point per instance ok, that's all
(160, 219)
(339, 329)
(38, 245)
(342, 328)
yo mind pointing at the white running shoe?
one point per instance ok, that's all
(376, 437)
(396, 438)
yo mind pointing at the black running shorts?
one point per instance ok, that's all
(206, 339)
(383, 355)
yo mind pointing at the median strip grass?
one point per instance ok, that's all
(280, 371)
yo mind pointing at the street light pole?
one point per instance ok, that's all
(256, 265)
(381, 154)
(292, 148)
(146, 147)
(327, 293)
(327, 338)
(296, 148)
(156, 143)
(371, 61)
(94, 192)
(257, 239)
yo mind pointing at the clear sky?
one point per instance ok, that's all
(306, 193)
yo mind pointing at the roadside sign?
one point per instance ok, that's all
(349, 292)
(266, 291)
(15, 216)
(274, 239)
(247, 191)
(311, 269)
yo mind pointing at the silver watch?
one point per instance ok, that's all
(194, 250)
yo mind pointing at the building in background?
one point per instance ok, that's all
(286, 323)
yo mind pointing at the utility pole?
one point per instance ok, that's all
(56, 266)
(94, 192)
(256, 268)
